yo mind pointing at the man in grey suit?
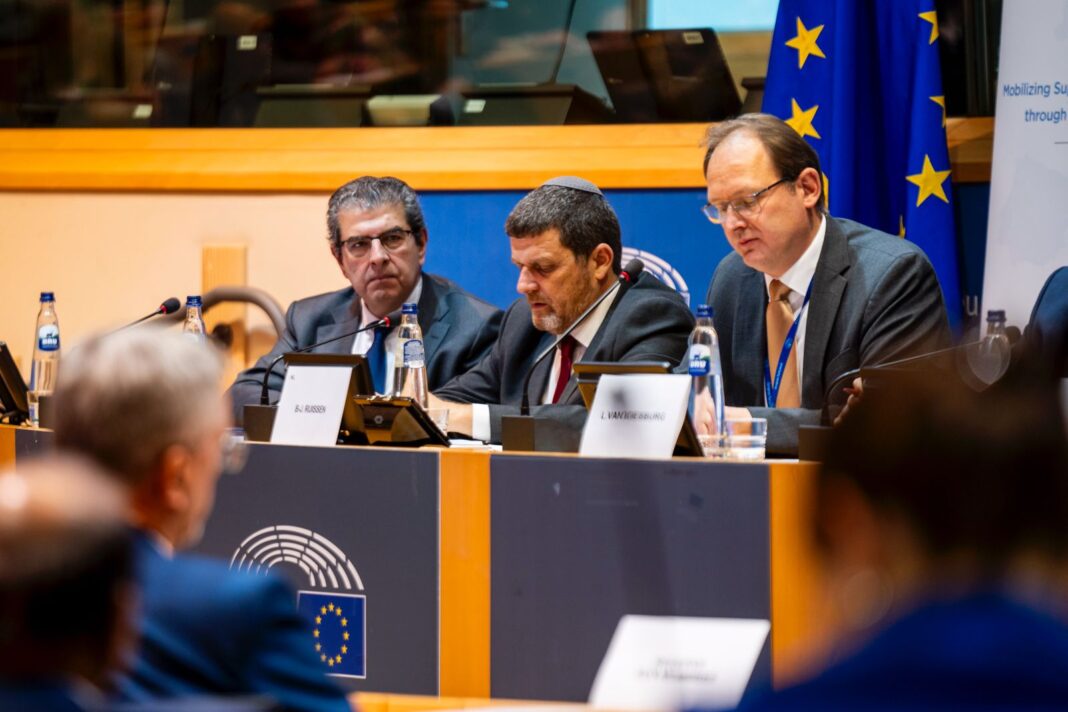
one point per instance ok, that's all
(804, 297)
(565, 240)
(378, 238)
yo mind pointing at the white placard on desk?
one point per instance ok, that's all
(636, 415)
(311, 405)
(670, 663)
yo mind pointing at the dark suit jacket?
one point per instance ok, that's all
(875, 298)
(984, 652)
(206, 630)
(44, 697)
(458, 329)
(649, 322)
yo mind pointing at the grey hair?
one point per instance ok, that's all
(368, 193)
(123, 399)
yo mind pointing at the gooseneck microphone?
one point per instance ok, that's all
(627, 277)
(169, 306)
(387, 321)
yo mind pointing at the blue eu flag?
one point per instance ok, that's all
(338, 623)
(861, 82)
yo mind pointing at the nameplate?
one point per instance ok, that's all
(311, 405)
(635, 415)
(671, 663)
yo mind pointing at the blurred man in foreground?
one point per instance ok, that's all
(66, 585)
(943, 518)
(148, 406)
(566, 244)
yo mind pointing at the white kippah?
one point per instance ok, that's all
(575, 183)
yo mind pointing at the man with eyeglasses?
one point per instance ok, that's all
(804, 297)
(148, 406)
(379, 238)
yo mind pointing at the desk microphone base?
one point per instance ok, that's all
(259, 420)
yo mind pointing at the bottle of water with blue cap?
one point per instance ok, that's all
(45, 355)
(194, 318)
(706, 373)
(409, 359)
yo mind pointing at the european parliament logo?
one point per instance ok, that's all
(336, 614)
(659, 268)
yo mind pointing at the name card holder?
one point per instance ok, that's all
(636, 415)
(316, 406)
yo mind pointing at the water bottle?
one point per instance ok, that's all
(194, 320)
(706, 371)
(409, 362)
(45, 355)
(994, 352)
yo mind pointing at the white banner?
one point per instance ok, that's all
(1028, 234)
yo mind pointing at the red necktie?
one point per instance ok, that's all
(567, 348)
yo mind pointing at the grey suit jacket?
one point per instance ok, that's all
(648, 322)
(875, 298)
(458, 329)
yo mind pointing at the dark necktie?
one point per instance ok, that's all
(376, 359)
(780, 317)
(567, 348)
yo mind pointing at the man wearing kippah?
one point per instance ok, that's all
(565, 241)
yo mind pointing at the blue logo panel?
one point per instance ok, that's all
(339, 630)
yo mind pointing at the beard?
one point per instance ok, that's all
(563, 315)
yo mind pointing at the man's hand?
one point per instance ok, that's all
(459, 414)
(856, 394)
(704, 414)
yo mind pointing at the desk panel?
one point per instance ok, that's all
(578, 543)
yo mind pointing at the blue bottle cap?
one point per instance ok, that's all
(410, 308)
(193, 300)
(704, 310)
(48, 296)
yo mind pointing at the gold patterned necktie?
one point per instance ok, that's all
(780, 317)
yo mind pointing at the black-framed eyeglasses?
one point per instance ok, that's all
(391, 240)
(747, 206)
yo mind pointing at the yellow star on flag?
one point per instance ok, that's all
(801, 120)
(901, 227)
(929, 181)
(345, 635)
(805, 43)
(318, 647)
(318, 620)
(331, 606)
(330, 662)
(338, 659)
(323, 657)
(315, 633)
(941, 101)
(344, 622)
(931, 17)
(323, 610)
(344, 649)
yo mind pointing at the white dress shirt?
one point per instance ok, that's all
(583, 335)
(797, 278)
(365, 339)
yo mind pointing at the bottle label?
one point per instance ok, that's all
(413, 353)
(48, 338)
(700, 358)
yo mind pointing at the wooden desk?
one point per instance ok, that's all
(455, 514)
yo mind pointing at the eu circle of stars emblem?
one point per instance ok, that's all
(338, 630)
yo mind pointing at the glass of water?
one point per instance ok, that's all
(745, 439)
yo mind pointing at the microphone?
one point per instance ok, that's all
(386, 321)
(990, 364)
(627, 278)
(169, 306)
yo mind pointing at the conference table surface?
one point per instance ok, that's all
(685, 536)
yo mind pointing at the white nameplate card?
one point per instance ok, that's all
(311, 405)
(671, 663)
(636, 415)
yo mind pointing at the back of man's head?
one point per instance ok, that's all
(65, 572)
(978, 478)
(574, 207)
(123, 399)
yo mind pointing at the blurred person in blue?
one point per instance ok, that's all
(379, 238)
(66, 585)
(942, 516)
(148, 406)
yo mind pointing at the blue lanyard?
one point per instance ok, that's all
(771, 388)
